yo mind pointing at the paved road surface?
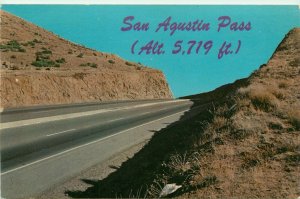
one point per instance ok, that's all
(42, 146)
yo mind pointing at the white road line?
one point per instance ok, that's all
(121, 118)
(89, 143)
(75, 129)
(60, 132)
(75, 115)
(146, 113)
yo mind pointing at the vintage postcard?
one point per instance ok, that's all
(148, 99)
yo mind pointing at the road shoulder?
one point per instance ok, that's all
(97, 172)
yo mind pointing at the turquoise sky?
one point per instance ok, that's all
(99, 27)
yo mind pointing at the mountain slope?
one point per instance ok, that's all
(245, 145)
(38, 67)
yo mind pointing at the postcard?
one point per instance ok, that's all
(113, 99)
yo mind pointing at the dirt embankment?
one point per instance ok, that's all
(246, 145)
(39, 68)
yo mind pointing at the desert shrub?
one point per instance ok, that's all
(13, 56)
(93, 65)
(294, 117)
(36, 41)
(295, 62)
(13, 46)
(30, 43)
(293, 159)
(129, 63)
(41, 57)
(249, 159)
(282, 48)
(80, 55)
(86, 64)
(283, 84)
(94, 54)
(179, 162)
(207, 181)
(46, 51)
(61, 60)
(219, 123)
(277, 92)
(43, 63)
(15, 68)
(79, 75)
(111, 61)
(260, 97)
(262, 100)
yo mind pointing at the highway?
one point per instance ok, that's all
(43, 146)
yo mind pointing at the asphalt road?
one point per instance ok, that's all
(42, 146)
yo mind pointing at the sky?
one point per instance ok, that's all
(253, 32)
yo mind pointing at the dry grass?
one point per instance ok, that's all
(294, 117)
(261, 97)
(245, 146)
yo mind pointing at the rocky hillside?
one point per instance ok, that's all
(38, 67)
(245, 145)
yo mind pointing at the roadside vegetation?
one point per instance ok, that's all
(244, 143)
(13, 46)
(43, 59)
(92, 65)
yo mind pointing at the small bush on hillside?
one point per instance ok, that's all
(86, 64)
(111, 61)
(80, 55)
(129, 63)
(295, 62)
(260, 97)
(262, 100)
(43, 63)
(294, 117)
(13, 46)
(93, 65)
(42, 57)
(15, 68)
(61, 60)
(79, 75)
(283, 84)
(282, 48)
(47, 51)
(36, 41)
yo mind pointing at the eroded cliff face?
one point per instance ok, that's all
(39, 68)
